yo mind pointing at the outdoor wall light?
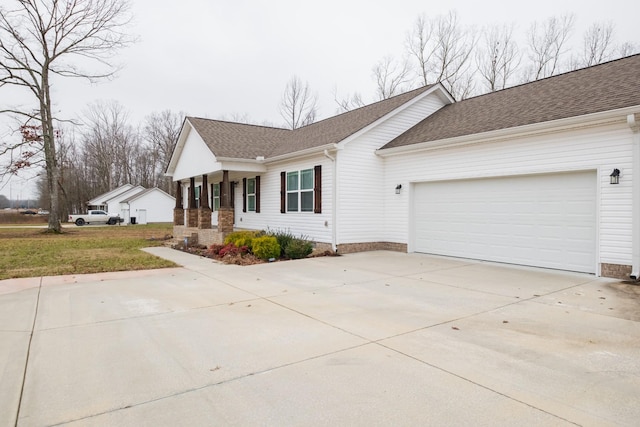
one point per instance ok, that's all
(398, 188)
(615, 176)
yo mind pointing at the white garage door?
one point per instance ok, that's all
(539, 220)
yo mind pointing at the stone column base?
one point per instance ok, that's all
(178, 216)
(225, 220)
(192, 218)
(204, 218)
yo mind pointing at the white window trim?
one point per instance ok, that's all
(251, 194)
(300, 190)
(214, 197)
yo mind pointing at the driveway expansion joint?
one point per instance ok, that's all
(26, 362)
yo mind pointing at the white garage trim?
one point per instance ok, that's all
(544, 220)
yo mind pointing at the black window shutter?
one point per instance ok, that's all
(257, 190)
(283, 192)
(244, 194)
(317, 189)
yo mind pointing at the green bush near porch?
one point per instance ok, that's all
(243, 238)
(266, 247)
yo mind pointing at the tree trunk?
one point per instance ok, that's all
(49, 142)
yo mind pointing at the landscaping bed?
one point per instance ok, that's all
(256, 247)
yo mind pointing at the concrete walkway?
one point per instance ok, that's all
(376, 338)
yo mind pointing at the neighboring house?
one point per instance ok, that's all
(543, 174)
(113, 203)
(151, 205)
(100, 202)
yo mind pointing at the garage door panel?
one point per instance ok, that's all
(542, 220)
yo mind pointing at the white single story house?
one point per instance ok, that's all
(542, 174)
(150, 205)
(113, 204)
(100, 202)
(146, 205)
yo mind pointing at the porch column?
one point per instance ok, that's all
(192, 210)
(178, 211)
(204, 212)
(226, 213)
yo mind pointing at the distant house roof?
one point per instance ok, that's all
(128, 193)
(103, 198)
(237, 140)
(609, 86)
(145, 192)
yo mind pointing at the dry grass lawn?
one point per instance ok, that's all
(29, 252)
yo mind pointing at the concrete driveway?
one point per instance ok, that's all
(377, 338)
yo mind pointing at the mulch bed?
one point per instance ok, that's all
(244, 259)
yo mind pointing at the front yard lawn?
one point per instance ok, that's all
(78, 250)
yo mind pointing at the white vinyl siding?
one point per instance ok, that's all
(316, 226)
(196, 158)
(600, 149)
(158, 206)
(361, 175)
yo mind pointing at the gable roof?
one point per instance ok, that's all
(145, 192)
(130, 192)
(243, 141)
(608, 86)
(104, 197)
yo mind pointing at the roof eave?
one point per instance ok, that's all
(582, 121)
(301, 153)
(177, 150)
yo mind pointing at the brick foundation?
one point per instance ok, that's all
(196, 235)
(204, 218)
(349, 248)
(192, 217)
(225, 220)
(178, 216)
(615, 271)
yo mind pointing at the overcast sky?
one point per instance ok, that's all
(213, 58)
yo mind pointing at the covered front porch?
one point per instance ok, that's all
(192, 221)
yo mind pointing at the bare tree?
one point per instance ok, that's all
(161, 131)
(626, 49)
(38, 40)
(108, 141)
(392, 77)
(348, 102)
(546, 43)
(421, 45)
(236, 117)
(597, 46)
(441, 49)
(298, 106)
(498, 58)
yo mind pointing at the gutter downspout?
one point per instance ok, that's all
(334, 200)
(635, 196)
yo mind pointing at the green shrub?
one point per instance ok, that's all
(266, 247)
(284, 238)
(298, 248)
(242, 238)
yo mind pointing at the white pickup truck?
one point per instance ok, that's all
(95, 217)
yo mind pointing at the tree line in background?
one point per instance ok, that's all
(107, 151)
(470, 62)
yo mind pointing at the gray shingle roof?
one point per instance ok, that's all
(604, 87)
(237, 140)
